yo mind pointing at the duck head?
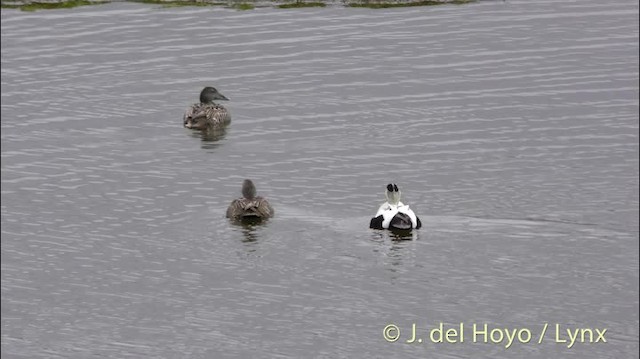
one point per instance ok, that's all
(393, 194)
(209, 94)
(248, 189)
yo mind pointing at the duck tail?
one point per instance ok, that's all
(401, 221)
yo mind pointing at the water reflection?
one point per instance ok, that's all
(379, 236)
(210, 138)
(399, 235)
(396, 249)
(395, 254)
(248, 227)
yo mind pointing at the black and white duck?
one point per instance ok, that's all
(394, 214)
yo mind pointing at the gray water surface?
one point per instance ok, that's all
(511, 128)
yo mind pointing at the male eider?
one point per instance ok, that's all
(207, 114)
(393, 214)
(249, 206)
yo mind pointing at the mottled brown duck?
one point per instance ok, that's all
(249, 206)
(207, 114)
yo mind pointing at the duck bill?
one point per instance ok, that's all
(220, 96)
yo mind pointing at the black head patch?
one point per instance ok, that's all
(390, 187)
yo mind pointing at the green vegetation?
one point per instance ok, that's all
(243, 6)
(176, 3)
(385, 4)
(33, 6)
(299, 4)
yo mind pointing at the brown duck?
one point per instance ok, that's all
(250, 205)
(207, 114)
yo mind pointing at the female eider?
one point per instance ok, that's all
(207, 114)
(393, 214)
(249, 206)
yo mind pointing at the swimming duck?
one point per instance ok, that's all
(250, 205)
(393, 214)
(207, 114)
